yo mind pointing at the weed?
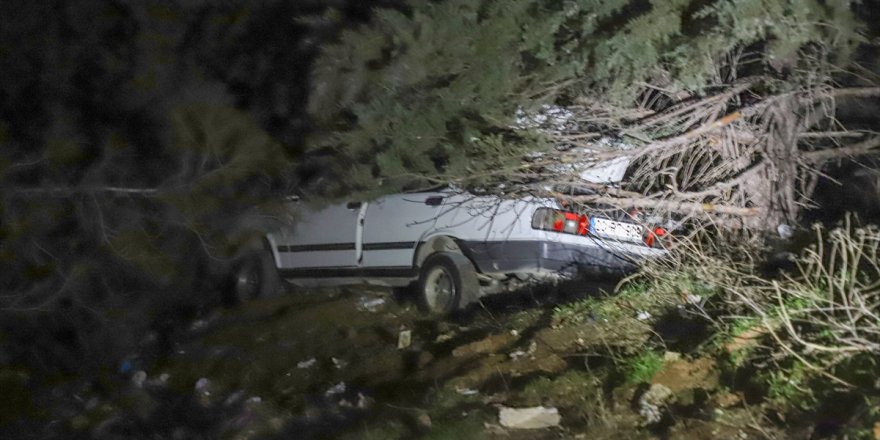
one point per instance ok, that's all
(631, 298)
(642, 368)
(573, 312)
(788, 386)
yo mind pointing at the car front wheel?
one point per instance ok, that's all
(254, 276)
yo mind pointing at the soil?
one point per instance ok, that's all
(332, 364)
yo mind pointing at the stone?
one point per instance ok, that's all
(680, 375)
(653, 403)
(537, 417)
(138, 378)
(490, 344)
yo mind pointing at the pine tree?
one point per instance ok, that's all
(704, 91)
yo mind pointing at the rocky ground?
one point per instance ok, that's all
(362, 364)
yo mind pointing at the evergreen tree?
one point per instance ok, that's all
(702, 91)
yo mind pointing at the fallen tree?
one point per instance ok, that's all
(724, 112)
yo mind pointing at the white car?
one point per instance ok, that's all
(452, 247)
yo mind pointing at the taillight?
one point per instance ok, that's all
(561, 221)
(652, 235)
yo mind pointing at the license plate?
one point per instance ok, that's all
(605, 228)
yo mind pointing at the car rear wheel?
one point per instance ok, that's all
(447, 282)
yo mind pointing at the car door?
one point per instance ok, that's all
(393, 226)
(321, 238)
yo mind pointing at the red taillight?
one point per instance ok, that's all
(561, 221)
(583, 225)
(653, 234)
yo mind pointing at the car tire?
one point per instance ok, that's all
(447, 282)
(254, 276)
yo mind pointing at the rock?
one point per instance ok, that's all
(404, 339)
(425, 358)
(424, 421)
(339, 363)
(443, 337)
(727, 399)
(234, 398)
(537, 417)
(490, 344)
(202, 385)
(680, 375)
(335, 389)
(364, 402)
(308, 363)
(653, 403)
(138, 378)
(671, 356)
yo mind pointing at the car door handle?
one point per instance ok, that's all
(434, 201)
(353, 205)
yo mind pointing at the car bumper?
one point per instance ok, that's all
(552, 256)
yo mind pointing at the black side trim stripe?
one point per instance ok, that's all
(389, 245)
(334, 272)
(348, 246)
(317, 247)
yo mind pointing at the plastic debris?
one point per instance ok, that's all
(370, 305)
(537, 417)
(693, 299)
(335, 389)
(466, 391)
(308, 363)
(785, 231)
(643, 315)
(404, 339)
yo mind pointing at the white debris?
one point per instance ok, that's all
(466, 391)
(693, 299)
(370, 305)
(365, 402)
(643, 315)
(139, 378)
(785, 231)
(339, 363)
(537, 417)
(552, 118)
(308, 363)
(404, 339)
(671, 356)
(335, 389)
(652, 404)
(443, 337)
(520, 353)
(202, 385)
